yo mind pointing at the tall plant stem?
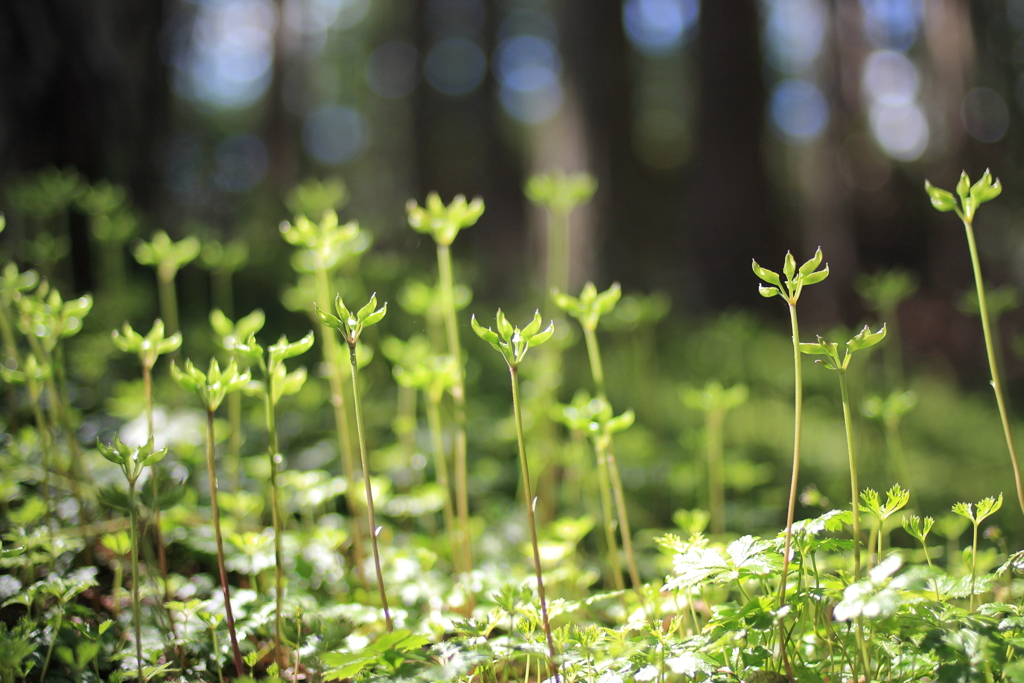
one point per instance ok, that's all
(559, 249)
(444, 270)
(369, 488)
(794, 481)
(332, 354)
(234, 400)
(624, 530)
(594, 355)
(212, 473)
(992, 364)
(147, 381)
(844, 390)
(609, 520)
(716, 469)
(441, 472)
(136, 600)
(528, 494)
(275, 513)
(168, 298)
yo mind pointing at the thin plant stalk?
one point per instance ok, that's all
(161, 554)
(168, 296)
(212, 473)
(364, 460)
(136, 599)
(332, 354)
(275, 505)
(844, 390)
(528, 494)
(990, 351)
(235, 440)
(444, 269)
(441, 472)
(713, 422)
(609, 521)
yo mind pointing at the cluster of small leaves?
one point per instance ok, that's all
(796, 279)
(148, 348)
(166, 256)
(441, 222)
(590, 305)
(324, 244)
(511, 342)
(971, 196)
(351, 324)
(863, 340)
(213, 385)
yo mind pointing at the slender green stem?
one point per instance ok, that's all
(216, 654)
(332, 354)
(559, 249)
(369, 488)
(623, 514)
(234, 464)
(844, 390)
(528, 494)
(161, 554)
(444, 270)
(53, 641)
(275, 513)
(133, 513)
(594, 354)
(609, 519)
(794, 481)
(974, 563)
(165, 274)
(992, 364)
(441, 472)
(212, 473)
(716, 469)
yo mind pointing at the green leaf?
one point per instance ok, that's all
(942, 200)
(768, 292)
(811, 265)
(812, 348)
(789, 267)
(485, 333)
(504, 326)
(328, 319)
(963, 186)
(816, 277)
(620, 423)
(866, 339)
(768, 276)
(543, 335)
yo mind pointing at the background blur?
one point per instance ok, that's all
(718, 131)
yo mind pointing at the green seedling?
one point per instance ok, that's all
(211, 387)
(443, 224)
(715, 401)
(324, 247)
(588, 309)
(314, 197)
(167, 258)
(132, 462)
(986, 508)
(578, 416)
(796, 280)
(919, 529)
(228, 336)
(890, 412)
(896, 498)
(350, 324)
(863, 340)
(434, 376)
(559, 193)
(971, 197)
(277, 382)
(513, 343)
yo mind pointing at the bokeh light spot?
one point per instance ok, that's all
(241, 162)
(658, 27)
(794, 33)
(798, 109)
(527, 63)
(392, 71)
(890, 78)
(455, 66)
(892, 23)
(902, 131)
(985, 115)
(333, 134)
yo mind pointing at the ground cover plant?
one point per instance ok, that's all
(617, 516)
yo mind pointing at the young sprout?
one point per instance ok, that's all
(350, 324)
(796, 280)
(986, 508)
(168, 258)
(132, 462)
(896, 498)
(715, 401)
(864, 339)
(211, 387)
(971, 197)
(513, 343)
(920, 529)
(148, 349)
(588, 309)
(559, 193)
(277, 382)
(323, 247)
(444, 223)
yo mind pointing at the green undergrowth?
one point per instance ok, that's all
(184, 501)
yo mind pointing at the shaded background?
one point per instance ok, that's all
(718, 131)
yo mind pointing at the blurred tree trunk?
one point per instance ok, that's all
(730, 215)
